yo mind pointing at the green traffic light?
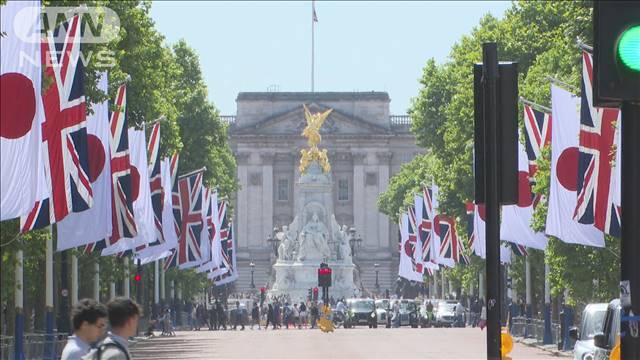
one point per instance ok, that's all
(629, 48)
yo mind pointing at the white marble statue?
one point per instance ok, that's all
(313, 241)
(287, 245)
(343, 246)
(341, 238)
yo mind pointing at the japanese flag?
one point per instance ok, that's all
(564, 173)
(22, 181)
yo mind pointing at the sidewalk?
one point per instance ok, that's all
(551, 348)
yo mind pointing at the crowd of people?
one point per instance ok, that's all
(278, 312)
(90, 320)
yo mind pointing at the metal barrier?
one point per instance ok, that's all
(35, 345)
(534, 329)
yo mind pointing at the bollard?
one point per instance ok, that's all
(546, 338)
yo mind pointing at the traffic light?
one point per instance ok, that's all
(315, 294)
(616, 52)
(310, 295)
(138, 276)
(324, 275)
(507, 125)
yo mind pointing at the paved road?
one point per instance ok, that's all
(381, 343)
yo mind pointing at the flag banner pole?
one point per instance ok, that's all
(562, 84)
(19, 306)
(49, 351)
(192, 173)
(532, 104)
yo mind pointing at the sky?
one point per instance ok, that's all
(359, 45)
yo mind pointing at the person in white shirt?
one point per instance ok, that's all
(89, 319)
(123, 317)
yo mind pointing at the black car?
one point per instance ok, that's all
(361, 312)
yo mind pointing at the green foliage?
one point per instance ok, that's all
(164, 80)
(541, 37)
(204, 136)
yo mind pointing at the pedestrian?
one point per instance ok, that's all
(123, 317)
(193, 319)
(211, 313)
(459, 311)
(168, 323)
(271, 318)
(255, 316)
(89, 320)
(222, 323)
(237, 318)
(483, 318)
(314, 314)
(303, 315)
(277, 312)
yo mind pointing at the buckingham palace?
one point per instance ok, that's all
(366, 145)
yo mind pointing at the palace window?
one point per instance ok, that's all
(283, 190)
(343, 190)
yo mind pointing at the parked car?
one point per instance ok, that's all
(408, 313)
(607, 339)
(592, 323)
(361, 312)
(383, 311)
(445, 313)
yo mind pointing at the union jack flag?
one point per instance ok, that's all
(450, 246)
(124, 225)
(412, 247)
(64, 131)
(155, 179)
(470, 214)
(597, 153)
(191, 201)
(426, 225)
(518, 249)
(537, 135)
(171, 260)
(228, 257)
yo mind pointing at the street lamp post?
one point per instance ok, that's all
(252, 265)
(376, 265)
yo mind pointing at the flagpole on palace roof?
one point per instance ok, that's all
(314, 19)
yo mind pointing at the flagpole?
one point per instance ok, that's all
(312, 46)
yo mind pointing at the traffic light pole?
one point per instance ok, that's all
(630, 246)
(492, 197)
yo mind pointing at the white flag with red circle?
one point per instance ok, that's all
(564, 173)
(516, 219)
(22, 181)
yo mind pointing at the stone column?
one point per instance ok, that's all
(242, 217)
(359, 210)
(384, 161)
(266, 159)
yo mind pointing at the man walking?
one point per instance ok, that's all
(89, 319)
(237, 318)
(255, 316)
(123, 316)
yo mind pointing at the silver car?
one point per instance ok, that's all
(592, 323)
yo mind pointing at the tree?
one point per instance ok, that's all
(540, 36)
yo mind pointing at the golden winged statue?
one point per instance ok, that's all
(312, 133)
